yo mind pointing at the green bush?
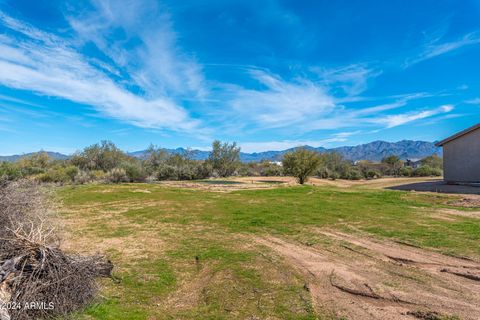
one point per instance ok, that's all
(188, 171)
(433, 161)
(406, 171)
(203, 170)
(166, 172)
(116, 175)
(10, 171)
(134, 171)
(83, 177)
(71, 171)
(271, 170)
(373, 174)
(97, 175)
(354, 174)
(427, 171)
(58, 175)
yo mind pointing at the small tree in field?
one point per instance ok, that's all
(394, 163)
(224, 158)
(301, 163)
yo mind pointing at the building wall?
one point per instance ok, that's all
(461, 158)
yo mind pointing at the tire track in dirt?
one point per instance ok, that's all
(359, 278)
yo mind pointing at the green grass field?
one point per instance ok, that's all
(187, 254)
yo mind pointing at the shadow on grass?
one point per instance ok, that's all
(437, 186)
(221, 182)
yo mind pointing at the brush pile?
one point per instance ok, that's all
(37, 279)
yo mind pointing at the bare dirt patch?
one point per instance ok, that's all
(228, 185)
(359, 278)
(469, 214)
(470, 201)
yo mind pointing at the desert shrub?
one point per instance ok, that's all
(333, 166)
(203, 170)
(101, 156)
(53, 175)
(71, 172)
(394, 165)
(184, 173)
(10, 171)
(31, 171)
(134, 171)
(270, 169)
(192, 171)
(354, 174)
(406, 171)
(154, 157)
(182, 167)
(373, 174)
(82, 177)
(323, 172)
(58, 174)
(97, 175)
(116, 175)
(433, 161)
(334, 175)
(39, 160)
(248, 170)
(166, 172)
(426, 171)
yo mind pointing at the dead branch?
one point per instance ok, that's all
(37, 279)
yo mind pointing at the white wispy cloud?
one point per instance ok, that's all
(398, 103)
(280, 103)
(351, 80)
(50, 65)
(148, 50)
(287, 144)
(391, 121)
(435, 48)
(308, 106)
(473, 101)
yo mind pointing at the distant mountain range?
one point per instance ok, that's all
(53, 155)
(375, 151)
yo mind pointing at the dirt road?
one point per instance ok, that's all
(360, 278)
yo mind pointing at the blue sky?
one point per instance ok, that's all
(267, 74)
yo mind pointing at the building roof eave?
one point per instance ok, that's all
(458, 135)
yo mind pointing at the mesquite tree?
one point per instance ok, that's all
(301, 163)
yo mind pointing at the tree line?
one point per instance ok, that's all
(105, 162)
(303, 163)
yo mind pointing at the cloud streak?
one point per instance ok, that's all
(147, 50)
(436, 49)
(279, 103)
(31, 59)
(308, 106)
(287, 144)
(396, 120)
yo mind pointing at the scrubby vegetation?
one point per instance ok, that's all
(105, 162)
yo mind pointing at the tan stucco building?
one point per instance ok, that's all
(461, 156)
